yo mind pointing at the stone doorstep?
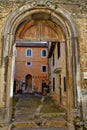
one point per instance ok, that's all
(36, 124)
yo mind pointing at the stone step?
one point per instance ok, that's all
(48, 128)
(38, 123)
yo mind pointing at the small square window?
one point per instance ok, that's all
(44, 68)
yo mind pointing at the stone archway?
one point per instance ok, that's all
(61, 18)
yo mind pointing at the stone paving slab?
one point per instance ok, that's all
(34, 111)
(31, 107)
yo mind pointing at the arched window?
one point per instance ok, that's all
(29, 52)
(44, 53)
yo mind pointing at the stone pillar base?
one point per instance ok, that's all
(4, 118)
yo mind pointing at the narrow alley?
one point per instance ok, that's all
(37, 112)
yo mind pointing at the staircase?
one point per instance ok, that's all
(37, 111)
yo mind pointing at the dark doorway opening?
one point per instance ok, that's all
(28, 83)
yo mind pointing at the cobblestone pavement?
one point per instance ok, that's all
(37, 112)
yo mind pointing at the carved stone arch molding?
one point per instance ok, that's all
(58, 15)
(62, 18)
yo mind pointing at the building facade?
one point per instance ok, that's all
(57, 73)
(31, 66)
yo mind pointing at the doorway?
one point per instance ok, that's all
(28, 87)
(43, 85)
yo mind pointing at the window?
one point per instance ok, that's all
(58, 49)
(28, 64)
(64, 84)
(59, 80)
(29, 52)
(53, 84)
(53, 60)
(44, 68)
(60, 90)
(44, 53)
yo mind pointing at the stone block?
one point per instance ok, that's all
(4, 116)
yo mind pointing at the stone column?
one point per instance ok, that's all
(4, 115)
(6, 91)
(70, 82)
